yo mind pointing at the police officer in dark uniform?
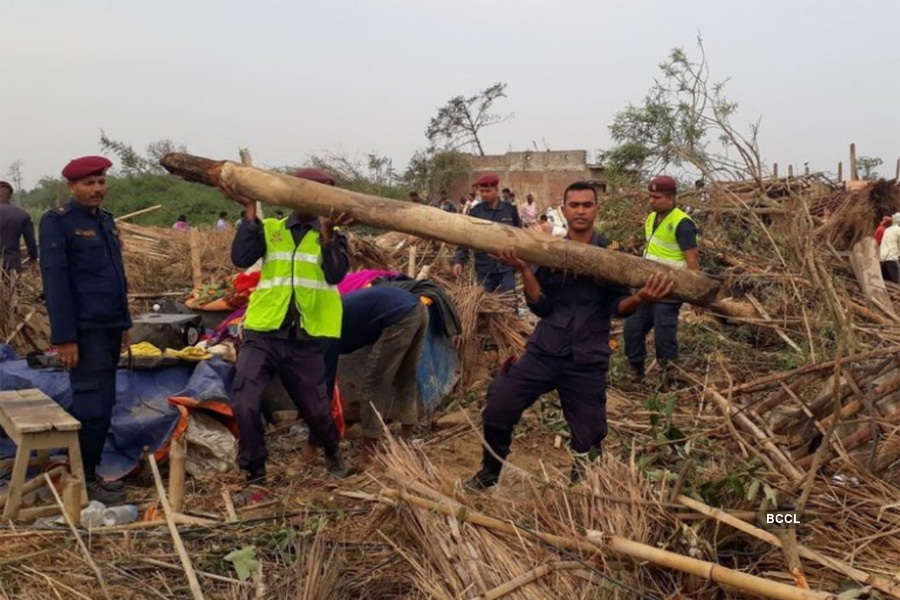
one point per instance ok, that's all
(492, 274)
(86, 295)
(569, 349)
(15, 223)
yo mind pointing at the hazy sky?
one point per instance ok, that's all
(288, 79)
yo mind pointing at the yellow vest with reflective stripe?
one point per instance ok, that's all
(288, 270)
(662, 244)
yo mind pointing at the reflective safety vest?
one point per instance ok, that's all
(662, 245)
(293, 271)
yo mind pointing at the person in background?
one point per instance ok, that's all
(414, 197)
(890, 250)
(15, 223)
(569, 349)
(544, 225)
(293, 314)
(181, 223)
(492, 274)
(279, 214)
(528, 212)
(886, 222)
(241, 218)
(87, 299)
(671, 239)
(445, 204)
(222, 223)
(506, 195)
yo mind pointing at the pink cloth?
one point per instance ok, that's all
(181, 226)
(359, 280)
(528, 213)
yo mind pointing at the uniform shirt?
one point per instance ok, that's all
(15, 223)
(890, 244)
(249, 245)
(575, 312)
(506, 214)
(367, 312)
(82, 270)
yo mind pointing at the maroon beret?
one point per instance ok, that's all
(317, 175)
(6, 184)
(663, 184)
(488, 179)
(79, 168)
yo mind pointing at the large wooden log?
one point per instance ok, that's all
(434, 223)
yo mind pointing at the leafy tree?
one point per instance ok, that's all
(432, 171)
(866, 166)
(685, 118)
(459, 122)
(133, 163)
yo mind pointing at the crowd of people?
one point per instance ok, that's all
(297, 323)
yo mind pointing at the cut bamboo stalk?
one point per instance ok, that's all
(850, 571)
(433, 223)
(138, 212)
(173, 530)
(854, 173)
(177, 458)
(229, 506)
(84, 550)
(72, 499)
(411, 264)
(196, 264)
(529, 577)
(744, 422)
(596, 542)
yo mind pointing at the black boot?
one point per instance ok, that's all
(580, 462)
(101, 491)
(637, 373)
(489, 474)
(335, 464)
(256, 475)
(666, 377)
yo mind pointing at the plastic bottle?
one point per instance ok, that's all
(92, 514)
(120, 515)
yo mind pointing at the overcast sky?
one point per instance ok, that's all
(288, 79)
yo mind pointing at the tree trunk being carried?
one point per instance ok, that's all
(434, 223)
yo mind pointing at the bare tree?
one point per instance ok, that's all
(459, 122)
(14, 172)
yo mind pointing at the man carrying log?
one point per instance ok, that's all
(492, 274)
(87, 300)
(671, 240)
(569, 349)
(294, 307)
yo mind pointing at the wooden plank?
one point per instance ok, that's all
(29, 411)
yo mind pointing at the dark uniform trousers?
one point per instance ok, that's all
(94, 390)
(497, 281)
(662, 317)
(582, 392)
(301, 366)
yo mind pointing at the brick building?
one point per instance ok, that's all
(543, 174)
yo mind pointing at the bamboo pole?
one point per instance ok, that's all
(854, 173)
(177, 457)
(196, 263)
(138, 212)
(529, 577)
(434, 223)
(850, 571)
(173, 530)
(840, 173)
(72, 499)
(596, 542)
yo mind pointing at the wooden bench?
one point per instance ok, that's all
(35, 422)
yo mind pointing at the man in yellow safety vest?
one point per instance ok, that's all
(671, 239)
(294, 309)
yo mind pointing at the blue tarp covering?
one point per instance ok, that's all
(142, 415)
(436, 373)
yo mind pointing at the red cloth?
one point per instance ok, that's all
(246, 282)
(879, 232)
(488, 179)
(79, 168)
(337, 410)
(663, 184)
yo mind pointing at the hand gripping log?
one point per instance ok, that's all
(434, 223)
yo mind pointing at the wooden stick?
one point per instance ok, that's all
(20, 326)
(81, 546)
(229, 506)
(411, 265)
(778, 330)
(528, 577)
(72, 499)
(434, 223)
(854, 173)
(173, 530)
(177, 457)
(165, 565)
(596, 542)
(33, 484)
(850, 571)
(138, 212)
(196, 264)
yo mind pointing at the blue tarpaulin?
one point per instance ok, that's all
(142, 416)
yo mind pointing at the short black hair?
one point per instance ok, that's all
(544, 218)
(182, 217)
(580, 186)
(506, 190)
(414, 193)
(223, 214)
